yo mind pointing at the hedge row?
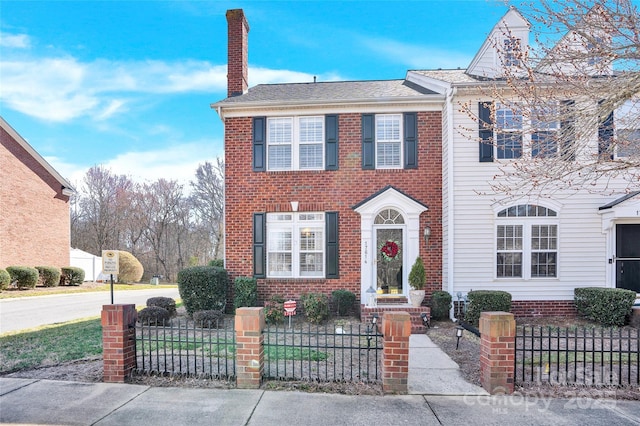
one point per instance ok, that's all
(26, 277)
(606, 306)
(486, 301)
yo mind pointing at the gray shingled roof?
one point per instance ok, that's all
(619, 200)
(329, 92)
(450, 76)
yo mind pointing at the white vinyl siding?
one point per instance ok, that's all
(582, 249)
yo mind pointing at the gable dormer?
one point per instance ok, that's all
(504, 48)
(584, 50)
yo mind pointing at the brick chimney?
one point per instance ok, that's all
(237, 53)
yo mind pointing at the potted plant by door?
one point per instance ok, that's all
(417, 279)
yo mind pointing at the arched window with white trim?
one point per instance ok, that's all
(527, 242)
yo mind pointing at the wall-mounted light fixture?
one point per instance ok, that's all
(427, 234)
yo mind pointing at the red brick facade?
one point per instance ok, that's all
(543, 308)
(248, 192)
(34, 224)
(238, 53)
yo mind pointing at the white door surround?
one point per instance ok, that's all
(410, 209)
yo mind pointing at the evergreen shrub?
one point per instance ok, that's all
(316, 307)
(5, 279)
(72, 276)
(203, 288)
(486, 301)
(219, 263)
(440, 305)
(164, 302)
(154, 315)
(48, 276)
(245, 290)
(343, 300)
(274, 309)
(25, 276)
(209, 319)
(606, 306)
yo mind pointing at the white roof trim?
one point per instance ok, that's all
(67, 188)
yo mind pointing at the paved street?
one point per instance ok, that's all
(30, 312)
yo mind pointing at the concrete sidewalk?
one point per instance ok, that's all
(47, 402)
(437, 396)
(432, 372)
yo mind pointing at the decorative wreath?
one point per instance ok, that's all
(389, 250)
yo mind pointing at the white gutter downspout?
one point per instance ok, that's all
(451, 92)
(224, 185)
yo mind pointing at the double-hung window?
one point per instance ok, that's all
(295, 143)
(544, 135)
(508, 132)
(511, 52)
(295, 245)
(627, 129)
(542, 132)
(527, 242)
(388, 141)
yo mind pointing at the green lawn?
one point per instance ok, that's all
(85, 288)
(50, 345)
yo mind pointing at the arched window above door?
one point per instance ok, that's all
(389, 217)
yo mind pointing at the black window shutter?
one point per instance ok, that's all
(259, 144)
(485, 131)
(410, 141)
(605, 135)
(332, 258)
(259, 245)
(368, 142)
(568, 131)
(331, 142)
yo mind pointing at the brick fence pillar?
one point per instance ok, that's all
(396, 329)
(249, 324)
(118, 341)
(497, 352)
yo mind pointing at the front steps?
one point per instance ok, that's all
(417, 325)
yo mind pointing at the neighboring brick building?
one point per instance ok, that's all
(320, 175)
(34, 199)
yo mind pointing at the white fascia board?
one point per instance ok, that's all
(438, 86)
(413, 104)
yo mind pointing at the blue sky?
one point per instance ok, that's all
(128, 84)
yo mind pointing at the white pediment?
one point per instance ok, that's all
(489, 61)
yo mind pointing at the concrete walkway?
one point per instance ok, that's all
(49, 402)
(432, 372)
(437, 396)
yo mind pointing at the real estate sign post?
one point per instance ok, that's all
(110, 265)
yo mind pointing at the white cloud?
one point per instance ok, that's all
(61, 89)
(416, 56)
(16, 41)
(177, 162)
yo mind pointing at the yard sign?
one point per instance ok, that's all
(110, 265)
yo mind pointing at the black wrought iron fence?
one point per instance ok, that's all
(581, 356)
(181, 347)
(349, 353)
